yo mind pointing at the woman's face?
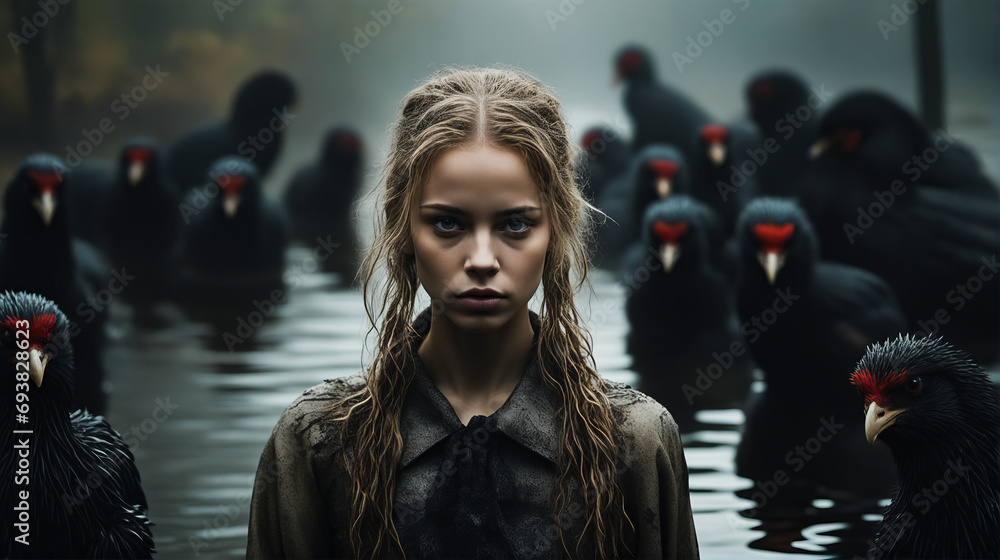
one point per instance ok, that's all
(479, 236)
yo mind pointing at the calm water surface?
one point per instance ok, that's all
(198, 463)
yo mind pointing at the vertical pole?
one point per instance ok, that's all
(930, 74)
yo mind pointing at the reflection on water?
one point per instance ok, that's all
(201, 415)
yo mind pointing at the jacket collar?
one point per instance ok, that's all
(528, 417)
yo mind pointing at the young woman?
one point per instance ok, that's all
(481, 430)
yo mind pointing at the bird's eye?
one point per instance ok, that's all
(914, 386)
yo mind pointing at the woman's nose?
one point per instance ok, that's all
(482, 258)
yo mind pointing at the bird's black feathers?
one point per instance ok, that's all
(85, 494)
(946, 446)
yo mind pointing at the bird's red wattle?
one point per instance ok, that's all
(139, 154)
(876, 388)
(349, 142)
(46, 182)
(772, 237)
(39, 329)
(232, 184)
(664, 169)
(762, 90)
(669, 232)
(628, 62)
(713, 133)
(849, 139)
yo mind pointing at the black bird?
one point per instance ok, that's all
(144, 220)
(38, 255)
(719, 179)
(606, 155)
(933, 234)
(134, 220)
(787, 118)
(234, 242)
(254, 131)
(681, 313)
(660, 114)
(807, 322)
(83, 490)
(658, 172)
(655, 173)
(320, 199)
(886, 141)
(939, 415)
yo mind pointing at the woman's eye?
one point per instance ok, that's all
(446, 224)
(518, 225)
(914, 386)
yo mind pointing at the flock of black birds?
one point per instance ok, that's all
(189, 224)
(856, 241)
(794, 244)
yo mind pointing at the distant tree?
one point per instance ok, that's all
(40, 47)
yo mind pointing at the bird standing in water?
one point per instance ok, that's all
(320, 200)
(681, 314)
(939, 415)
(606, 155)
(39, 256)
(134, 220)
(781, 106)
(81, 482)
(656, 173)
(807, 322)
(233, 246)
(254, 131)
(886, 195)
(660, 114)
(723, 149)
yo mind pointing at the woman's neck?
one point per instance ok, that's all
(477, 372)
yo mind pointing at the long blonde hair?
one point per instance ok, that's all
(510, 110)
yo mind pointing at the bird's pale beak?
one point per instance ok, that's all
(772, 263)
(45, 204)
(669, 253)
(135, 171)
(717, 153)
(819, 147)
(230, 205)
(36, 365)
(878, 419)
(663, 187)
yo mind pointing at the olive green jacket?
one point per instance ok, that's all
(301, 505)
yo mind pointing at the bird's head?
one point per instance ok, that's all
(596, 140)
(34, 196)
(343, 150)
(660, 172)
(676, 229)
(238, 183)
(35, 346)
(872, 129)
(261, 98)
(140, 160)
(769, 95)
(776, 242)
(633, 64)
(921, 392)
(713, 140)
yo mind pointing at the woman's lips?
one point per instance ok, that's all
(478, 299)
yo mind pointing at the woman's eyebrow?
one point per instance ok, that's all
(526, 209)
